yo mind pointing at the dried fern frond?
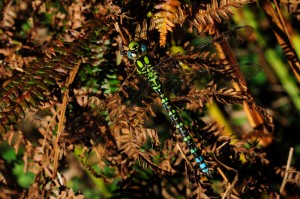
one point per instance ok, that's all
(141, 31)
(293, 7)
(9, 15)
(127, 122)
(282, 34)
(211, 12)
(165, 19)
(40, 81)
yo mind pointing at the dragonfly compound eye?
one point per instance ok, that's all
(143, 48)
(133, 45)
(131, 55)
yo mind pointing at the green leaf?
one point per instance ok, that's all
(8, 154)
(24, 179)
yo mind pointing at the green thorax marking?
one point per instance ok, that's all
(143, 65)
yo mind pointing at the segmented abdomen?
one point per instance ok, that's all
(145, 68)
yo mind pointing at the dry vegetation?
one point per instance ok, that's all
(76, 121)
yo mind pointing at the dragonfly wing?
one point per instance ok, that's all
(179, 82)
(136, 91)
(205, 55)
(250, 70)
(235, 36)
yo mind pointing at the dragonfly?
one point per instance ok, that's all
(137, 51)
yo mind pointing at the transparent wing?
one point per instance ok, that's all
(250, 70)
(180, 82)
(195, 69)
(205, 55)
(137, 91)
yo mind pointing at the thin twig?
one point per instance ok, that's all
(286, 171)
(61, 118)
(227, 181)
(229, 189)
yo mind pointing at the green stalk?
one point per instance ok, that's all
(287, 82)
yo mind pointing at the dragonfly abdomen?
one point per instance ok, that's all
(145, 68)
(178, 123)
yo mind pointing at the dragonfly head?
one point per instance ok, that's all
(136, 50)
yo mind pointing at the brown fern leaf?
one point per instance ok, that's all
(210, 130)
(141, 31)
(22, 93)
(137, 114)
(211, 12)
(101, 154)
(197, 191)
(130, 140)
(130, 133)
(40, 81)
(9, 15)
(293, 7)
(229, 96)
(164, 20)
(84, 100)
(197, 98)
(268, 119)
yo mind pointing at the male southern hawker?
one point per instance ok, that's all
(137, 51)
